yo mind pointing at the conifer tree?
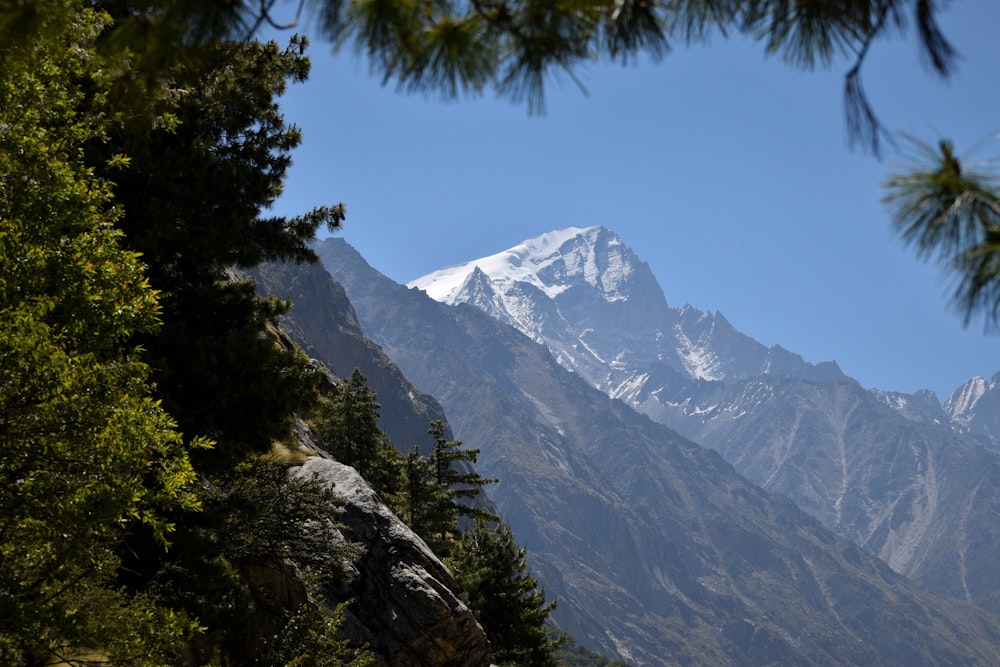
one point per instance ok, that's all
(456, 485)
(349, 424)
(951, 213)
(507, 601)
(425, 503)
(201, 170)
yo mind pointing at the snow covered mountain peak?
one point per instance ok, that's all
(552, 263)
(599, 309)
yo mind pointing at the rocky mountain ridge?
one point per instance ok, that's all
(972, 410)
(909, 484)
(553, 287)
(656, 549)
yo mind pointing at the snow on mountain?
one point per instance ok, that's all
(596, 305)
(963, 400)
(974, 409)
(599, 309)
(542, 262)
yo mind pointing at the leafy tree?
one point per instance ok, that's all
(952, 214)
(84, 448)
(310, 639)
(507, 601)
(92, 459)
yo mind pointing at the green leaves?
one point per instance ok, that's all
(85, 449)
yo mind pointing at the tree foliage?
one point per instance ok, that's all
(194, 196)
(84, 448)
(96, 175)
(459, 484)
(952, 214)
(516, 46)
(425, 504)
(349, 424)
(492, 572)
(256, 517)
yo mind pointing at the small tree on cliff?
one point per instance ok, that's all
(455, 484)
(492, 572)
(349, 423)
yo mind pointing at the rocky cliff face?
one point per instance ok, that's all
(403, 601)
(657, 550)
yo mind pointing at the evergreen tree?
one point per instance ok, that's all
(513, 47)
(349, 424)
(193, 196)
(426, 508)
(507, 601)
(432, 488)
(456, 485)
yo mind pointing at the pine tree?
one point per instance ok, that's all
(201, 170)
(349, 424)
(457, 486)
(492, 572)
(433, 489)
(952, 214)
(423, 500)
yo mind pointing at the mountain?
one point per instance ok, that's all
(599, 309)
(328, 330)
(906, 483)
(974, 408)
(656, 549)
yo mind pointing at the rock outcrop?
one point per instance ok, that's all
(404, 602)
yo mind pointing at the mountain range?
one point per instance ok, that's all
(657, 550)
(901, 475)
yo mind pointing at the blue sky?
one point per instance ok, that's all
(727, 171)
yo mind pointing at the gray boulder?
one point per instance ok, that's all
(404, 602)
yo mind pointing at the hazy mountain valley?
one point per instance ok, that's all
(657, 550)
(909, 484)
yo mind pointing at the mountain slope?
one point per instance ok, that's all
(328, 330)
(916, 495)
(655, 548)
